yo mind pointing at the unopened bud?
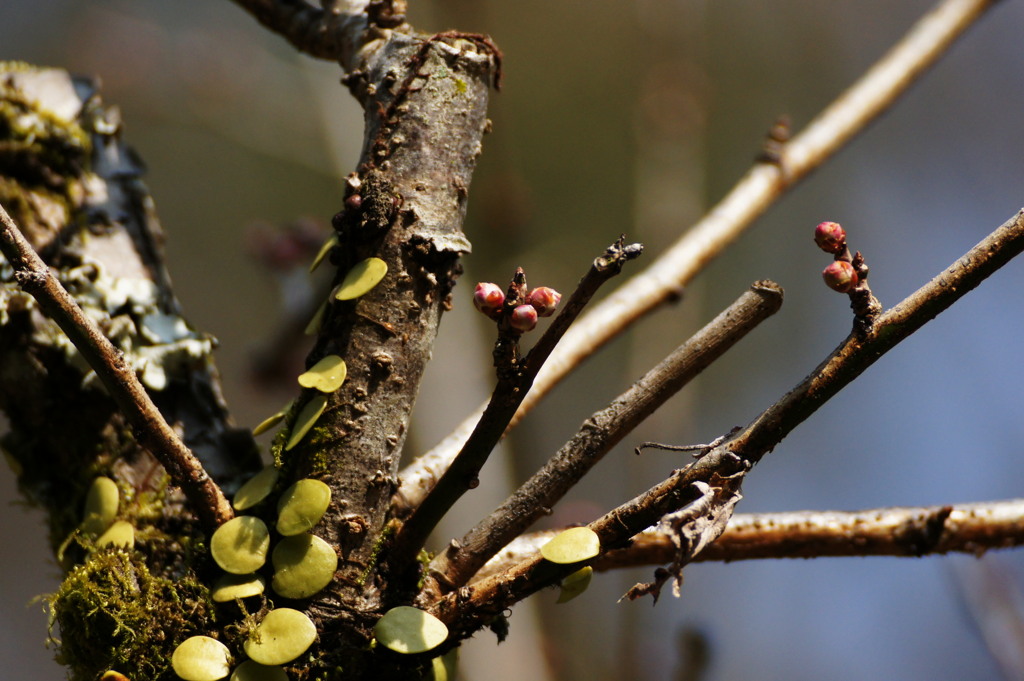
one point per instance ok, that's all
(830, 237)
(544, 300)
(840, 276)
(523, 318)
(488, 298)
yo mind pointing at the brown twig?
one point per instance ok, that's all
(762, 185)
(909, 532)
(512, 386)
(148, 425)
(455, 565)
(728, 461)
(325, 35)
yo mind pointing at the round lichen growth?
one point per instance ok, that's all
(240, 545)
(409, 630)
(114, 614)
(229, 587)
(254, 671)
(303, 565)
(361, 278)
(282, 636)
(256, 489)
(201, 658)
(101, 504)
(301, 506)
(572, 546)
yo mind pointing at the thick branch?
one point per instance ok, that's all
(150, 428)
(763, 184)
(602, 431)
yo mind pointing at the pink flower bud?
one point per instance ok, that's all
(488, 298)
(544, 300)
(830, 237)
(523, 318)
(840, 276)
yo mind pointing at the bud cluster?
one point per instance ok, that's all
(841, 275)
(491, 300)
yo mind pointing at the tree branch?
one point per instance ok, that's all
(603, 430)
(910, 532)
(511, 387)
(763, 184)
(149, 426)
(335, 33)
(716, 476)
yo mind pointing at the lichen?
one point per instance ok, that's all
(113, 613)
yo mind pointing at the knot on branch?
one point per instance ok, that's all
(617, 255)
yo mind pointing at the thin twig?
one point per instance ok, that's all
(512, 386)
(737, 453)
(909, 532)
(148, 425)
(603, 430)
(763, 184)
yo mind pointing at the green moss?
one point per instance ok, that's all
(114, 614)
(384, 538)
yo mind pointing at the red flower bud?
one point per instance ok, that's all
(544, 300)
(488, 298)
(840, 276)
(523, 318)
(830, 237)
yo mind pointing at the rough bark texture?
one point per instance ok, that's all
(75, 190)
(425, 99)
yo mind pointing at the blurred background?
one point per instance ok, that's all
(627, 117)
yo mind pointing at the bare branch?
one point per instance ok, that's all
(603, 430)
(512, 386)
(148, 425)
(334, 34)
(720, 470)
(858, 352)
(763, 184)
(909, 532)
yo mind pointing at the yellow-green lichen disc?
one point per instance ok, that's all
(112, 675)
(201, 658)
(254, 671)
(331, 242)
(305, 420)
(272, 420)
(229, 587)
(313, 327)
(303, 565)
(255, 489)
(361, 278)
(301, 506)
(575, 584)
(240, 545)
(101, 503)
(282, 636)
(572, 546)
(446, 665)
(410, 630)
(327, 375)
(120, 534)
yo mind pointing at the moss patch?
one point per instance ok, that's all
(114, 614)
